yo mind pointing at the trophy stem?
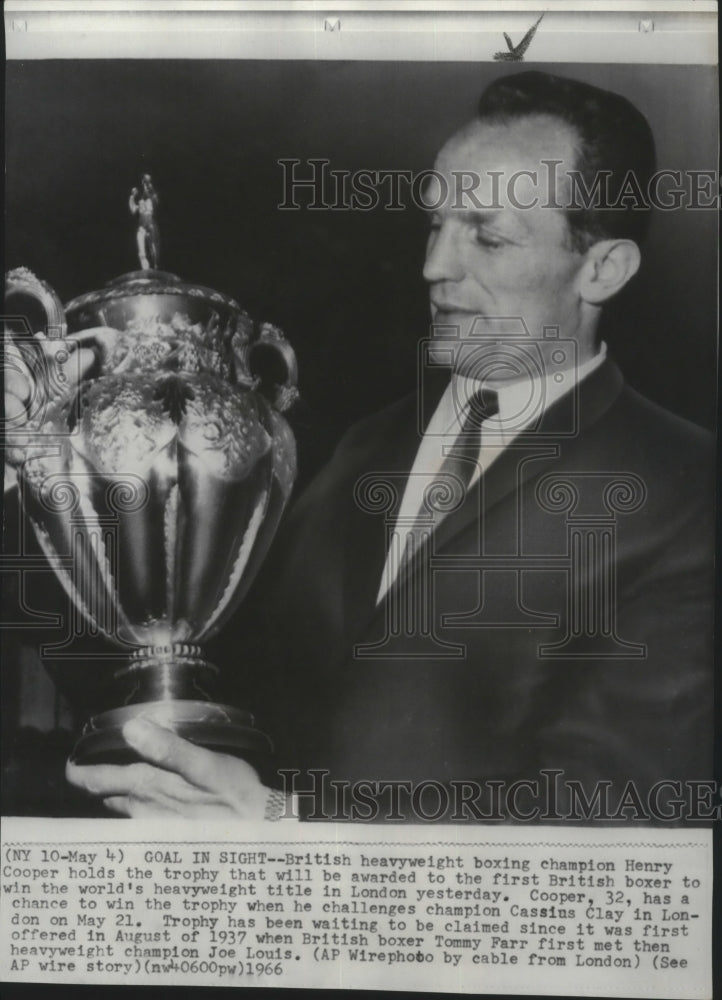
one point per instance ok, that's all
(176, 670)
(168, 685)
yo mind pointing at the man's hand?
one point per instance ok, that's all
(175, 778)
(41, 371)
(79, 352)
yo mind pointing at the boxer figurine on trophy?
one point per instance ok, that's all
(144, 205)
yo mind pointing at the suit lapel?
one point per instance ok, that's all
(569, 417)
(390, 456)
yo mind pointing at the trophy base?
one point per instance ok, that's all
(218, 727)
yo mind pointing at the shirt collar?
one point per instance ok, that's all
(520, 401)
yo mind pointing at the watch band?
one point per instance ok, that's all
(275, 805)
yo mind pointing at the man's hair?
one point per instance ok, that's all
(612, 135)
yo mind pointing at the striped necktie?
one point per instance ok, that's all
(447, 490)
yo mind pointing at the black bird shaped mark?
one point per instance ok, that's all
(516, 53)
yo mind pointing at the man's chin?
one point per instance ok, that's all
(493, 348)
(449, 331)
(461, 326)
(454, 325)
(492, 361)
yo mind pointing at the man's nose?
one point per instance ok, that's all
(443, 261)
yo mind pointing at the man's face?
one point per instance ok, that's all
(489, 267)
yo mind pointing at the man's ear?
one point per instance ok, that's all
(609, 265)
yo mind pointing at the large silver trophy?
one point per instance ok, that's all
(155, 487)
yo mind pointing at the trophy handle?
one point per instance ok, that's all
(46, 374)
(273, 360)
(22, 281)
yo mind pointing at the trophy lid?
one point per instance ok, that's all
(90, 306)
(133, 291)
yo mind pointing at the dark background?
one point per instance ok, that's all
(345, 286)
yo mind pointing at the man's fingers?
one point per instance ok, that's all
(76, 354)
(230, 780)
(59, 367)
(140, 780)
(102, 334)
(84, 360)
(174, 777)
(88, 346)
(126, 805)
(99, 340)
(165, 748)
(129, 787)
(18, 385)
(118, 804)
(17, 376)
(111, 779)
(15, 406)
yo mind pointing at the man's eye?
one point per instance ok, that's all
(487, 241)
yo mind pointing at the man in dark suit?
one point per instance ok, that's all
(509, 578)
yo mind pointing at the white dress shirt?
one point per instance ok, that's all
(521, 401)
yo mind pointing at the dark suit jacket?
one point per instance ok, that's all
(570, 619)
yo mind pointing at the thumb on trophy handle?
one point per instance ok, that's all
(39, 371)
(21, 282)
(94, 344)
